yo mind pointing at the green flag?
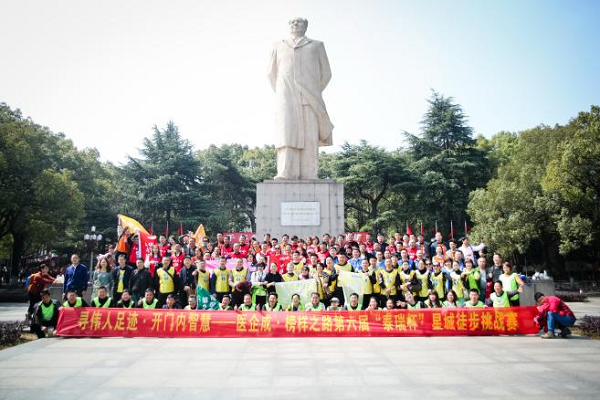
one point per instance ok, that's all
(206, 301)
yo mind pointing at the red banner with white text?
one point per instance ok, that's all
(183, 323)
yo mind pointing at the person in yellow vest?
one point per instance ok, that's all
(126, 300)
(458, 282)
(237, 279)
(322, 279)
(408, 280)
(290, 275)
(202, 275)
(120, 276)
(296, 305)
(342, 265)
(438, 280)
(511, 281)
(315, 303)
(368, 285)
(220, 280)
(168, 281)
(353, 303)
(422, 275)
(73, 300)
(389, 282)
(374, 277)
(247, 304)
(149, 301)
(192, 303)
(102, 301)
(297, 261)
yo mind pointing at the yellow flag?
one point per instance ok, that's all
(352, 282)
(132, 224)
(200, 233)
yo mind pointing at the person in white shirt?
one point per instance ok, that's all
(468, 251)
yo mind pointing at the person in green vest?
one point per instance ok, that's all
(315, 303)
(272, 304)
(373, 304)
(73, 300)
(334, 304)
(225, 304)
(452, 300)
(511, 281)
(353, 306)
(102, 301)
(410, 303)
(45, 315)
(126, 300)
(433, 300)
(149, 301)
(474, 299)
(296, 305)
(247, 305)
(499, 297)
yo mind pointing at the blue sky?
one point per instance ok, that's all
(105, 72)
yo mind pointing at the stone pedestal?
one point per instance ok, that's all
(302, 208)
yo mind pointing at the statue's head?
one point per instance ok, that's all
(298, 26)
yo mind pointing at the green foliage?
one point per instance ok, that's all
(448, 163)
(41, 204)
(165, 183)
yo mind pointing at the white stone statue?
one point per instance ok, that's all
(298, 72)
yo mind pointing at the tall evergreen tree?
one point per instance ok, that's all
(448, 162)
(165, 183)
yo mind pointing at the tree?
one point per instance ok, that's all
(446, 159)
(572, 178)
(370, 175)
(165, 183)
(40, 203)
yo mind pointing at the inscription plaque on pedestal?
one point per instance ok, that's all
(301, 213)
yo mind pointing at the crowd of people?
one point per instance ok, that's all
(402, 271)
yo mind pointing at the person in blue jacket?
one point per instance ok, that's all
(76, 277)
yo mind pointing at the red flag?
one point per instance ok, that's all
(151, 230)
(145, 243)
(451, 230)
(180, 230)
(408, 230)
(422, 229)
(467, 228)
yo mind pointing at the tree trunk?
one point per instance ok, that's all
(17, 252)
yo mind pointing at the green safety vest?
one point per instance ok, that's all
(510, 284)
(479, 304)
(105, 305)
(244, 307)
(276, 308)
(412, 307)
(47, 311)
(78, 303)
(319, 307)
(500, 301)
(358, 308)
(120, 303)
(145, 305)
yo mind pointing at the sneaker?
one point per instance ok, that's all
(548, 335)
(565, 332)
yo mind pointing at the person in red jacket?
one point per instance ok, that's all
(553, 313)
(37, 283)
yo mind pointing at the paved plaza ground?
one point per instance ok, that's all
(344, 368)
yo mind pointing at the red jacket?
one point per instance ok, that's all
(37, 282)
(555, 305)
